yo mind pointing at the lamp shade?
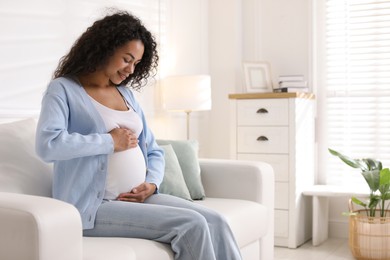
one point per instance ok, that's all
(187, 93)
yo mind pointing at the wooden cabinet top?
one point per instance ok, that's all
(272, 95)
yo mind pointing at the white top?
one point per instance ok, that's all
(335, 191)
(126, 169)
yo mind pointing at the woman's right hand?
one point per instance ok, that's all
(124, 139)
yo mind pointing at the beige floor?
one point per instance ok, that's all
(331, 249)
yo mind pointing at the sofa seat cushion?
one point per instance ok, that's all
(247, 219)
(103, 248)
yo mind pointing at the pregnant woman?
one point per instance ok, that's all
(106, 161)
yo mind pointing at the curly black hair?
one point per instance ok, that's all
(99, 42)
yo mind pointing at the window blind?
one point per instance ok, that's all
(356, 86)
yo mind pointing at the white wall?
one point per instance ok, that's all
(30, 46)
(187, 53)
(34, 36)
(225, 52)
(285, 36)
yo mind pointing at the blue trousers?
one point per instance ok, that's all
(193, 231)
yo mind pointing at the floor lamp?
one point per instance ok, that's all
(187, 94)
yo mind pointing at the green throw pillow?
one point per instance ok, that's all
(187, 154)
(173, 182)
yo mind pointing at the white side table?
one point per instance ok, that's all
(321, 194)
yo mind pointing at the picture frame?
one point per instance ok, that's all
(257, 77)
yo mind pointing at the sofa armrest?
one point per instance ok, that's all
(238, 180)
(247, 180)
(38, 228)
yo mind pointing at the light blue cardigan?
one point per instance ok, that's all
(72, 134)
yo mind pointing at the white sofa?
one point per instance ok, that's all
(34, 226)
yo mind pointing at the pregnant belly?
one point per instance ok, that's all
(126, 170)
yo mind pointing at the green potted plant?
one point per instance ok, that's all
(369, 229)
(378, 180)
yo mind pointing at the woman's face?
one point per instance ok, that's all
(123, 62)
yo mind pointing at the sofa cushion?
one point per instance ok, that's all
(103, 248)
(187, 154)
(21, 171)
(173, 182)
(247, 219)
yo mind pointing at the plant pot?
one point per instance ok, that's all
(369, 237)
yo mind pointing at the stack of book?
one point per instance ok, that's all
(292, 83)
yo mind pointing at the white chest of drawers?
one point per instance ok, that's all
(278, 128)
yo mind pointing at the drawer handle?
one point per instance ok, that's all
(262, 138)
(262, 111)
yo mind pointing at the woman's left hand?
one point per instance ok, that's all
(139, 193)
